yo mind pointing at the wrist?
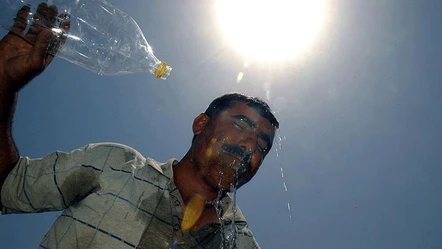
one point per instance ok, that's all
(7, 86)
(6, 89)
(8, 99)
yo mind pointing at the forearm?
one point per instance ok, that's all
(23, 55)
(8, 151)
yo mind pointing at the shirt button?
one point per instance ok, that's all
(176, 227)
(175, 201)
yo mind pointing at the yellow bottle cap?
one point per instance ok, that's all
(162, 70)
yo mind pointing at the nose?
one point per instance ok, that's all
(248, 144)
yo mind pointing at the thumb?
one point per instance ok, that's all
(39, 52)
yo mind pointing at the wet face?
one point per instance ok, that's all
(230, 148)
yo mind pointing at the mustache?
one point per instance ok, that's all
(245, 157)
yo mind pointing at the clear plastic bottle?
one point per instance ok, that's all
(101, 37)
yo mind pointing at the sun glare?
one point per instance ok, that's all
(270, 30)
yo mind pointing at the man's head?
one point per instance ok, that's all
(231, 139)
(226, 101)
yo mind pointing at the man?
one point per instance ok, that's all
(112, 196)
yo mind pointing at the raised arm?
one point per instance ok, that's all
(22, 57)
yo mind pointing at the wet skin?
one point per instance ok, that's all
(231, 147)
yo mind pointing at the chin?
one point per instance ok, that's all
(223, 185)
(229, 186)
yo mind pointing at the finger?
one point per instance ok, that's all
(46, 15)
(41, 21)
(52, 15)
(66, 26)
(41, 13)
(21, 20)
(38, 54)
(65, 21)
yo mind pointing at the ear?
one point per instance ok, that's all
(200, 123)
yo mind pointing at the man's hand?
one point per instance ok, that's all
(24, 56)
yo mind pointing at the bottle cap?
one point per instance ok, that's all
(162, 70)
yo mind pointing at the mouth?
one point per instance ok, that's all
(236, 159)
(236, 152)
(242, 158)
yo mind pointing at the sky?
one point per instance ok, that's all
(360, 112)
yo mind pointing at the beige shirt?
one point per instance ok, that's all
(112, 197)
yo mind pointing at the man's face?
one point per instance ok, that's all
(231, 147)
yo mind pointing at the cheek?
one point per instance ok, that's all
(255, 162)
(246, 178)
(210, 151)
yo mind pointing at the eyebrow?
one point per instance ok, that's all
(252, 124)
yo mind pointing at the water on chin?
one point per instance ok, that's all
(228, 232)
(229, 178)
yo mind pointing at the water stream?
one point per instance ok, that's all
(278, 150)
(228, 237)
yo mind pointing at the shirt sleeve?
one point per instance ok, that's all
(51, 183)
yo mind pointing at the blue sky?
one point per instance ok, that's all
(360, 116)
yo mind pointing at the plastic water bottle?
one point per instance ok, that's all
(101, 37)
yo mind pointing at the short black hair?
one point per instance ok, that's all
(228, 100)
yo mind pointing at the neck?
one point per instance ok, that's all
(190, 183)
(195, 193)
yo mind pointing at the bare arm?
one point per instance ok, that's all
(8, 151)
(22, 57)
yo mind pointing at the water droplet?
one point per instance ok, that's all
(278, 149)
(266, 88)
(228, 233)
(239, 77)
(267, 94)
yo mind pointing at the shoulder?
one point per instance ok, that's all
(117, 151)
(110, 149)
(111, 145)
(108, 153)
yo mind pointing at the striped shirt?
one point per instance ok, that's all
(112, 197)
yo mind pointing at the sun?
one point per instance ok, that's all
(270, 30)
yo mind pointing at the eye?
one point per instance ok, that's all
(262, 146)
(239, 125)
